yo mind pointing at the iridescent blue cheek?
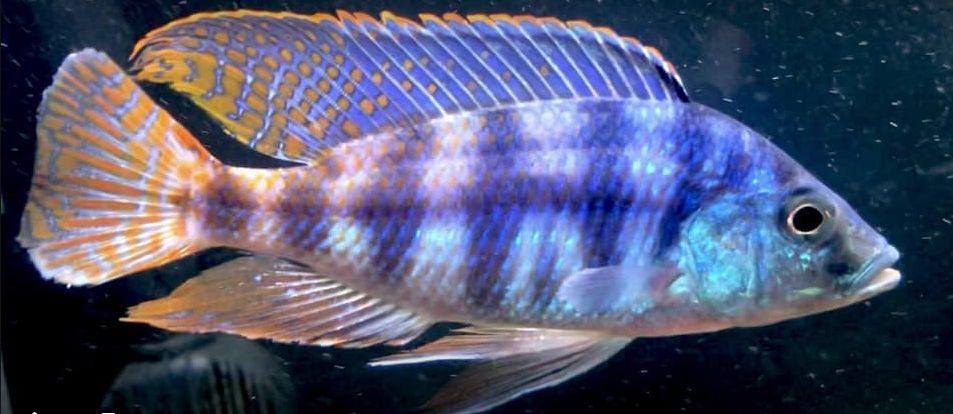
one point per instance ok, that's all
(721, 246)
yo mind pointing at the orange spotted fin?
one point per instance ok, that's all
(112, 174)
(291, 85)
(264, 297)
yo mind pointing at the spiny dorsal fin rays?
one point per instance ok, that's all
(291, 86)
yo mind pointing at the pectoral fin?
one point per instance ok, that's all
(515, 362)
(601, 289)
(265, 297)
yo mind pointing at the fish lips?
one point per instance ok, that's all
(877, 276)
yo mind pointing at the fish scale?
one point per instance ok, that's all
(599, 182)
(547, 183)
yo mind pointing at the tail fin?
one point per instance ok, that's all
(112, 176)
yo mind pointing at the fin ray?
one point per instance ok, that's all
(603, 289)
(514, 361)
(265, 297)
(111, 178)
(291, 86)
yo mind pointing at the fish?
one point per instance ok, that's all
(549, 185)
(201, 374)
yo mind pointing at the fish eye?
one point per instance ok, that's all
(805, 219)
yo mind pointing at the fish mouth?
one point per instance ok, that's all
(876, 275)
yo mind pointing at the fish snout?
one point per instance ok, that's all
(877, 275)
(862, 263)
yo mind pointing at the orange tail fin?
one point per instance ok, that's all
(112, 177)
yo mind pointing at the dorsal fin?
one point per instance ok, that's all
(291, 85)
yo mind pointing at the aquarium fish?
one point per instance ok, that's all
(548, 183)
(187, 374)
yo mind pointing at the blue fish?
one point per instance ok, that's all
(550, 184)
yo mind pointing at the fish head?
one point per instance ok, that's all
(777, 252)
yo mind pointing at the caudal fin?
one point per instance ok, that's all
(112, 176)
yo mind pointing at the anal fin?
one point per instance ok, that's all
(513, 362)
(265, 297)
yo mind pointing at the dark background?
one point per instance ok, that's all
(858, 91)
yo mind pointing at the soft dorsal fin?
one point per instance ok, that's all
(290, 85)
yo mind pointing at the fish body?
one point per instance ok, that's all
(549, 184)
(481, 217)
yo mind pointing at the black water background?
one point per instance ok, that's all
(859, 92)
